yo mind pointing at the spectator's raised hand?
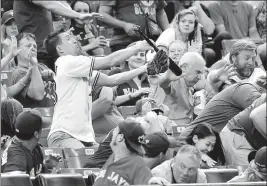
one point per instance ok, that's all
(13, 47)
(100, 42)
(86, 18)
(32, 57)
(130, 29)
(195, 46)
(224, 73)
(209, 161)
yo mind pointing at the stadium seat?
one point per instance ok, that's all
(60, 180)
(127, 111)
(177, 130)
(215, 175)
(77, 158)
(15, 180)
(227, 44)
(47, 115)
(222, 184)
(82, 171)
(6, 78)
(47, 151)
(43, 138)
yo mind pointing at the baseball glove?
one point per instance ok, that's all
(159, 64)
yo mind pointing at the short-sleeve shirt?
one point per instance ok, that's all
(102, 154)
(225, 105)
(50, 96)
(83, 37)
(33, 19)
(20, 158)
(180, 102)
(242, 124)
(236, 19)
(130, 170)
(72, 113)
(130, 12)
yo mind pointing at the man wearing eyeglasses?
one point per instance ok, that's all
(183, 168)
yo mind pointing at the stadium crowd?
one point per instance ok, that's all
(85, 72)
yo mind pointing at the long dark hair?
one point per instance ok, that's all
(202, 131)
(10, 109)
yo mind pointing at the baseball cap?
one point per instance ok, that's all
(133, 133)
(155, 143)
(260, 158)
(8, 15)
(27, 123)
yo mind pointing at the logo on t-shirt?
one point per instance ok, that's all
(148, 7)
(113, 177)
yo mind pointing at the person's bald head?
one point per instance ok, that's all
(193, 66)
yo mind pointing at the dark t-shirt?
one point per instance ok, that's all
(33, 19)
(130, 12)
(242, 124)
(83, 37)
(127, 88)
(50, 97)
(102, 154)
(225, 105)
(130, 170)
(20, 158)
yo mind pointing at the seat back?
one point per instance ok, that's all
(127, 111)
(43, 138)
(6, 78)
(47, 151)
(60, 180)
(47, 115)
(220, 175)
(15, 180)
(82, 171)
(177, 130)
(77, 158)
(227, 44)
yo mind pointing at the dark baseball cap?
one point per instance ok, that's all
(7, 16)
(133, 133)
(27, 123)
(260, 158)
(155, 143)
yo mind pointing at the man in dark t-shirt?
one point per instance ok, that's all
(41, 89)
(225, 105)
(24, 155)
(128, 15)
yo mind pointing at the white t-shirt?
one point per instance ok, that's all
(72, 113)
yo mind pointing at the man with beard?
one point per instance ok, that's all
(241, 67)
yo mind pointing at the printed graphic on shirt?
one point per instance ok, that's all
(149, 7)
(112, 177)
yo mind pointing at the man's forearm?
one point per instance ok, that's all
(6, 60)
(115, 58)
(206, 22)
(58, 7)
(164, 82)
(108, 19)
(36, 88)
(162, 19)
(120, 78)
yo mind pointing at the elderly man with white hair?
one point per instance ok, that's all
(179, 89)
